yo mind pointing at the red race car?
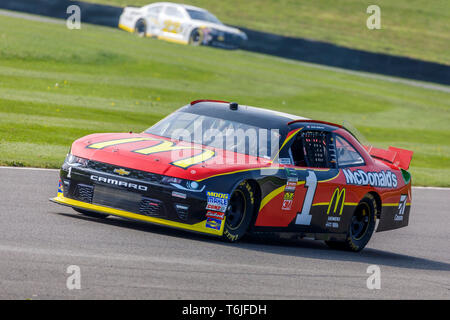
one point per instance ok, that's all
(224, 169)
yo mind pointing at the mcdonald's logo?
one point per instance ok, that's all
(338, 198)
(193, 155)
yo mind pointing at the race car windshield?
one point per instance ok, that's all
(203, 16)
(219, 133)
(356, 133)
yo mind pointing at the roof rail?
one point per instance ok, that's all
(316, 121)
(207, 100)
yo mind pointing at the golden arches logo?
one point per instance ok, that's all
(336, 199)
(196, 154)
(165, 146)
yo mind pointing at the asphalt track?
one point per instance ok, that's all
(121, 259)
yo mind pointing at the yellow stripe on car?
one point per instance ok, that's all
(165, 146)
(238, 171)
(327, 204)
(109, 143)
(124, 27)
(204, 156)
(285, 142)
(279, 190)
(274, 193)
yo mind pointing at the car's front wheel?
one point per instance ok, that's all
(196, 37)
(239, 212)
(91, 213)
(361, 228)
(140, 28)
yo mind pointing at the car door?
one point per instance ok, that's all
(153, 17)
(314, 166)
(172, 20)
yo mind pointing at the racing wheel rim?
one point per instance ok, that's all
(141, 28)
(236, 210)
(360, 221)
(196, 37)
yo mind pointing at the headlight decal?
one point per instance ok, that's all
(74, 161)
(187, 188)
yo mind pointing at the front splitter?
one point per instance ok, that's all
(198, 227)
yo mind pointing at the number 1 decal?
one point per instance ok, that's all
(304, 218)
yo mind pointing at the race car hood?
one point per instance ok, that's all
(162, 155)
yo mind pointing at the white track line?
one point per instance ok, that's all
(27, 168)
(56, 170)
(431, 188)
(32, 17)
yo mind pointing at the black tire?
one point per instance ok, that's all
(141, 28)
(92, 214)
(196, 37)
(240, 211)
(361, 228)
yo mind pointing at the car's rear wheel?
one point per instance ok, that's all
(92, 214)
(140, 28)
(239, 212)
(361, 228)
(196, 37)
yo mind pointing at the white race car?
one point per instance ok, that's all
(182, 24)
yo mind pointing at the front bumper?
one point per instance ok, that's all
(198, 227)
(156, 204)
(225, 40)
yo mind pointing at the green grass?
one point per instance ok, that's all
(415, 28)
(57, 85)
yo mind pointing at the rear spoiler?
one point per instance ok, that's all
(398, 157)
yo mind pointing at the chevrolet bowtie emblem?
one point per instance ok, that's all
(122, 172)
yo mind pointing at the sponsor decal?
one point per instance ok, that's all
(201, 155)
(213, 223)
(178, 195)
(335, 206)
(122, 172)
(291, 184)
(401, 208)
(217, 195)
(215, 207)
(119, 183)
(288, 200)
(338, 199)
(333, 222)
(288, 196)
(287, 205)
(291, 173)
(289, 189)
(215, 215)
(284, 161)
(60, 187)
(382, 179)
(217, 201)
(316, 127)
